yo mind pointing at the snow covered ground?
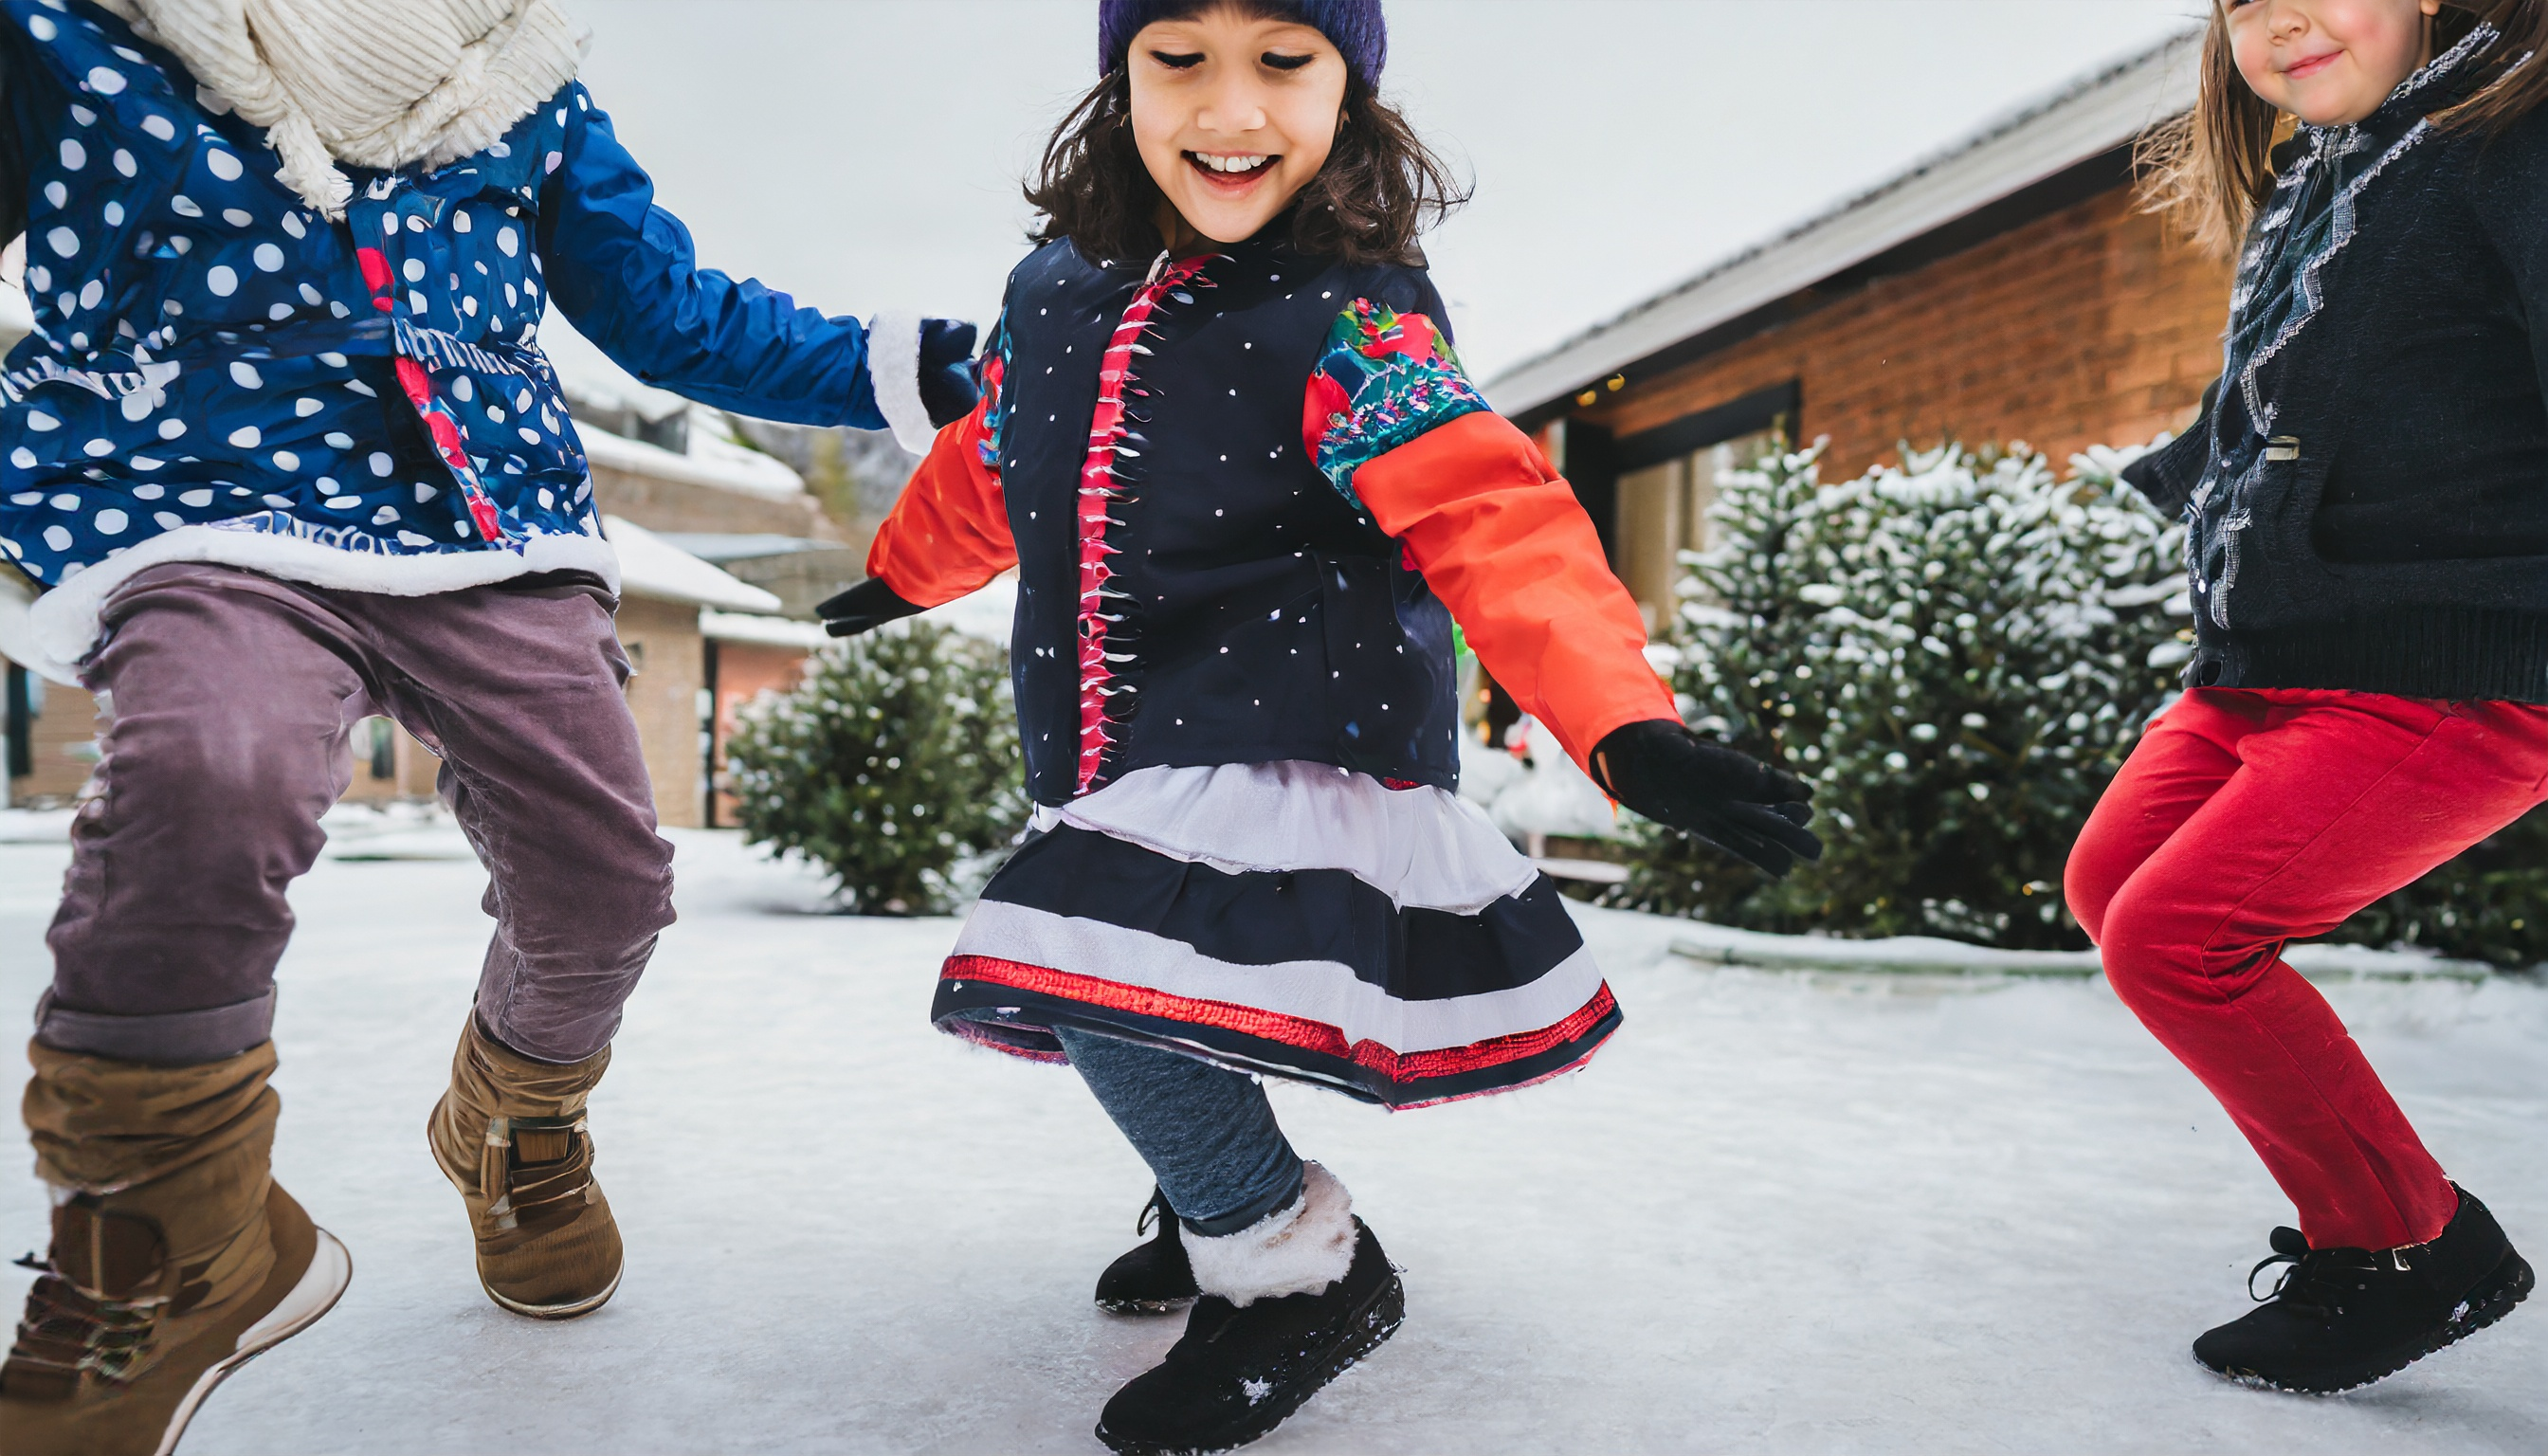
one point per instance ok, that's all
(1783, 1212)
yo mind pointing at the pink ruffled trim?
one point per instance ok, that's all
(1099, 489)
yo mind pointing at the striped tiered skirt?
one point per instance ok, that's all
(1292, 919)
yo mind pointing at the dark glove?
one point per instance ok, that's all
(862, 608)
(948, 389)
(1730, 799)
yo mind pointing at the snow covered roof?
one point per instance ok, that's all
(724, 546)
(712, 461)
(2086, 118)
(988, 613)
(762, 631)
(652, 567)
(713, 458)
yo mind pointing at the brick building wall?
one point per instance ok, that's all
(664, 645)
(745, 671)
(379, 743)
(2089, 325)
(662, 505)
(62, 744)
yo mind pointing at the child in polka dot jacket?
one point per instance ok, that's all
(282, 453)
(1247, 487)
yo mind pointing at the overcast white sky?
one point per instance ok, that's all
(866, 153)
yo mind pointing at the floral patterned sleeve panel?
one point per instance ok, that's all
(1382, 379)
(994, 408)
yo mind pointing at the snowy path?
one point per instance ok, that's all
(1780, 1214)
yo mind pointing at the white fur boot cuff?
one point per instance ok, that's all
(1300, 1248)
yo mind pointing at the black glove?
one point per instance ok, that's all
(947, 388)
(862, 608)
(1730, 799)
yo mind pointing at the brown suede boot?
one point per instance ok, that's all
(175, 1258)
(510, 1136)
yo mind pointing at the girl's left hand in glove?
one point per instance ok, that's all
(1728, 798)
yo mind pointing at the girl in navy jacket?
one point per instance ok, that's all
(1226, 443)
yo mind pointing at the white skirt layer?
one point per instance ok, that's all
(1424, 848)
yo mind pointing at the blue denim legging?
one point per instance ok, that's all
(1209, 1134)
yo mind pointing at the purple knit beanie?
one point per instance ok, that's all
(1354, 26)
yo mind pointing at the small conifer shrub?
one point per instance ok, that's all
(1958, 653)
(893, 764)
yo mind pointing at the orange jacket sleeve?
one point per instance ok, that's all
(949, 535)
(1502, 541)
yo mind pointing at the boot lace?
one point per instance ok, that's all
(2309, 1284)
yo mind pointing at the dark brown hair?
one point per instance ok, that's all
(2211, 168)
(1380, 185)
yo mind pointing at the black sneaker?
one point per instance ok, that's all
(2341, 1318)
(1155, 1278)
(1236, 1374)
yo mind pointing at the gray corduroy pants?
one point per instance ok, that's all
(234, 698)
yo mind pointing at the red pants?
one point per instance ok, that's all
(2246, 818)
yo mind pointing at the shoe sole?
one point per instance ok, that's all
(321, 1285)
(1366, 1330)
(2506, 1287)
(572, 1310)
(1144, 1307)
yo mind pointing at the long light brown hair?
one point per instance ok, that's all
(2209, 169)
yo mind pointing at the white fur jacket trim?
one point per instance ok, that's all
(17, 628)
(1300, 1248)
(61, 628)
(894, 368)
(376, 83)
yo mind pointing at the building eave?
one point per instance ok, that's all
(2085, 120)
(655, 570)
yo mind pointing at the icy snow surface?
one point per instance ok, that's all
(1783, 1213)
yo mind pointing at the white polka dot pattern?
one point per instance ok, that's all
(208, 346)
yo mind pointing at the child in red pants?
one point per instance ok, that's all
(2365, 525)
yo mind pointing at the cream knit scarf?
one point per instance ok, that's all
(376, 83)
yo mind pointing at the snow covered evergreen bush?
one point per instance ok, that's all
(2489, 904)
(1958, 653)
(894, 761)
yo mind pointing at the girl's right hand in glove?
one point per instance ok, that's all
(1728, 798)
(864, 607)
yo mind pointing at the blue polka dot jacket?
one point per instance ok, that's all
(1246, 494)
(219, 373)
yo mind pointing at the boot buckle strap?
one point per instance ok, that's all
(536, 1139)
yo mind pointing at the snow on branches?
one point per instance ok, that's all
(893, 764)
(1957, 652)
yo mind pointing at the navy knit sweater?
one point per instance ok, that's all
(2367, 497)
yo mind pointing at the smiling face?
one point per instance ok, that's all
(2329, 61)
(1232, 114)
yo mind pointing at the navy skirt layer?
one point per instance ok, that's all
(1292, 919)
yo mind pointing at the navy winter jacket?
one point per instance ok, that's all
(1245, 495)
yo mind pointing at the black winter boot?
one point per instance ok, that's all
(1155, 1278)
(1240, 1371)
(2341, 1318)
